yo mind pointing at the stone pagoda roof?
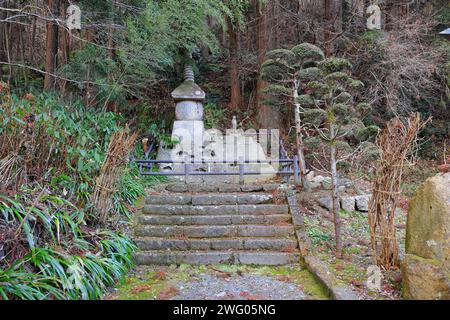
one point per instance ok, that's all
(188, 90)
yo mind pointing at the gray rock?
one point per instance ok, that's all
(426, 267)
(348, 203)
(310, 176)
(345, 182)
(326, 184)
(362, 202)
(326, 202)
(315, 185)
(319, 179)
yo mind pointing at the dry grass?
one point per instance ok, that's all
(397, 143)
(120, 145)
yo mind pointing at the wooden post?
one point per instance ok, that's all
(241, 170)
(296, 171)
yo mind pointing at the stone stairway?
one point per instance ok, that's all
(215, 228)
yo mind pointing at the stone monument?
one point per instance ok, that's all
(196, 144)
(426, 265)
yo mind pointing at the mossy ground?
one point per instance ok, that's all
(159, 283)
(352, 268)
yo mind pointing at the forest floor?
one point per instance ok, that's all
(219, 282)
(352, 268)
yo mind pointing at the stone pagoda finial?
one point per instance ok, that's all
(189, 73)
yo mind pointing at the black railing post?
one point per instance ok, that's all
(296, 171)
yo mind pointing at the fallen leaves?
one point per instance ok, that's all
(357, 283)
(160, 275)
(248, 296)
(141, 288)
(168, 293)
(284, 278)
(444, 168)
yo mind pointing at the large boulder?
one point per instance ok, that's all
(426, 266)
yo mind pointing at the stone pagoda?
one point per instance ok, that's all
(196, 144)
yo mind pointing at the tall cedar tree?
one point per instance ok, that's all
(51, 46)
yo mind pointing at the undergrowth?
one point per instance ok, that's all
(52, 245)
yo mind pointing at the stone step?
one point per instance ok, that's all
(271, 258)
(242, 209)
(275, 244)
(183, 187)
(214, 231)
(213, 219)
(209, 199)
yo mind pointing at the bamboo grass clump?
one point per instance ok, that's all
(397, 144)
(119, 147)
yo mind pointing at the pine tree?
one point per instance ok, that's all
(331, 111)
(283, 70)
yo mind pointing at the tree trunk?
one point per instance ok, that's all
(31, 48)
(335, 195)
(269, 118)
(299, 138)
(3, 51)
(333, 24)
(64, 45)
(235, 97)
(89, 94)
(51, 47)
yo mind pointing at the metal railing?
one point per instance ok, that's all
(288, 167)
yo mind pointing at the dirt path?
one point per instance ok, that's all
(220, 282)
